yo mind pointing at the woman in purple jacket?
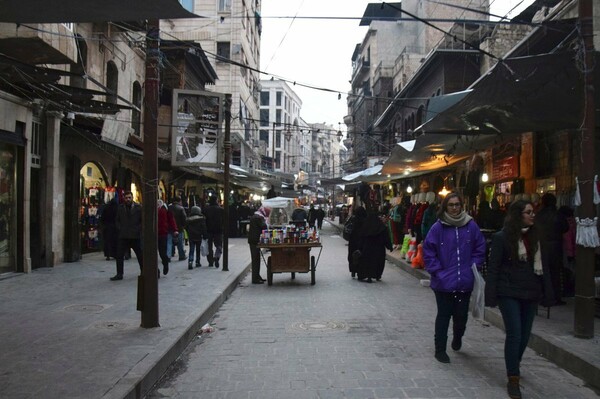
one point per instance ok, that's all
(452, 245)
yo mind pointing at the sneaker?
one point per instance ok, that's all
(190, 266)
(216, 264)
(116, 277)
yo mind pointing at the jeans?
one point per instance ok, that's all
(518, 317)
(180, 248)
(170, 245)
(194, 248)
(453, 305)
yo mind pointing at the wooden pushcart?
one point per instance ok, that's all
(291, 258)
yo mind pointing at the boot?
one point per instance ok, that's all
(456, 343)
(513, 388)
(190, 265)
(440, 350)
(198, 264)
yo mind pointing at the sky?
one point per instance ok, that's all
(318, 52)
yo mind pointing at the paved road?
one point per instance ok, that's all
(346, 339)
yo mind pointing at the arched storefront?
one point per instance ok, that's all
(94, 193)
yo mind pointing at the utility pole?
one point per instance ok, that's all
(585, 257)
(227, 150)
(148, 281)
(273, 151)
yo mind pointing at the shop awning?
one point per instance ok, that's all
(359, 176)
(58, 11)
(534, 93)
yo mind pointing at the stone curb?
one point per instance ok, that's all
(143, 376)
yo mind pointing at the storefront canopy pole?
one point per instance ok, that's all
(227, 150)
(584, 278)
(148, 284)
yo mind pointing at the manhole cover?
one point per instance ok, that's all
(112, 325)
(319, 326)
(84, 308)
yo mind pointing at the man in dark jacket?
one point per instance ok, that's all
(179, 214)
(129, 224)
(551, 225)
(214, 227)
(258, 222)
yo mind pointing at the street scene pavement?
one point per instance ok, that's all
(70, 332)
(342, 338)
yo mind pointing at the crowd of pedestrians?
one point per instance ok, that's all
(524, 259)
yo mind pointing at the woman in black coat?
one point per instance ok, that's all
(514, 283)
(373, 238)
(357, 219)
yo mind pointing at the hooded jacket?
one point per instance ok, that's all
(449, 252)
(196, 225)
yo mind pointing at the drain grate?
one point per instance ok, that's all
(319, 326)
(112, 325)
(84, 308)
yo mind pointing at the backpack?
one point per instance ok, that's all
(348, 228)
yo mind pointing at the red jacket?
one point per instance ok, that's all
(166, 222)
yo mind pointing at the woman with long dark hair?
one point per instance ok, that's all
(454, 243)
(513, 283)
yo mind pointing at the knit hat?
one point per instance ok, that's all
(196, 211)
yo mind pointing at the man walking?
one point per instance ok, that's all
(214, 227)
(180, 216)
(129, 224)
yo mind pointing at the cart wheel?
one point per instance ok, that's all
(293, 275)
(269, 272)
(313, 268)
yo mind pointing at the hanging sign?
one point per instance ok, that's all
(505, 168)
(196, 128)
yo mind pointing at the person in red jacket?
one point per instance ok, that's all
(166, 224)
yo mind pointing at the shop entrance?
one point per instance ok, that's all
(93, 194)
(8, 208)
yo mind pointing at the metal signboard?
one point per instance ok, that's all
(196, 132)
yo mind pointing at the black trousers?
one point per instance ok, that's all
(125, 244)
(162, 250)
(255, 255)
(215, 239)
(453, 305)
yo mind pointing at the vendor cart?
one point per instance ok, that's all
(291, 258)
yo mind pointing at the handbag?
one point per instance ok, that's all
(478, 294)
(204, 247)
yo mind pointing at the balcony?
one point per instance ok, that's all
(38, 43)
(361, 69)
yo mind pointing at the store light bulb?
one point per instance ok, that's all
(443, 192)
(485, 178)
(409, 189)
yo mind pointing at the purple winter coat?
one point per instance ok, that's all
(449, 252)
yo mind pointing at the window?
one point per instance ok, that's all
(264, 135)
(136, 116)
(224, 5)
(278, 139)
(81, 66)
(223, 51)
(278, 101)
(112, 82)
(264, 98)
(278, 116)
(187, 4)
(36, 145)
(264, 117)
(68, 25)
